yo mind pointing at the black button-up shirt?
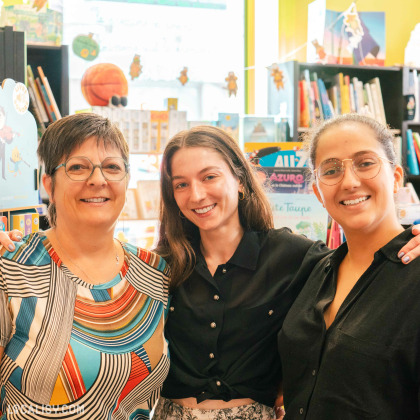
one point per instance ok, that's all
(222, 330)
(367, 364)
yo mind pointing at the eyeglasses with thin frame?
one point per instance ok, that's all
(364, 166)
(80, 168)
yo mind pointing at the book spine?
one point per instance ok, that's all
(377, 83)
(33, 107)
(49, 93)
(9, 52)
(304, 105)
(46, 101)
(324, 99)
(2, 56)
(38, 99)
(19, 56)
(413, 165)
(416, 143)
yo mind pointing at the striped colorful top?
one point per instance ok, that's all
(76, 350)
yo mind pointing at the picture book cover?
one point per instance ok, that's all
(288, 154)
(229, 123)
(18, 145)
(302, 213)
(259, 129)
(286, 179)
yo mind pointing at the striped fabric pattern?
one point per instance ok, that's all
(77, 350)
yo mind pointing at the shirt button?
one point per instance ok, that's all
(314, 372)
(301, 411)
(270, 312)
(211, 355)
(218, 383)
(171, 308)
(224, 271)
(216, 297)
(213, 325)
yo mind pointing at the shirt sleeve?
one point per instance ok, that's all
(5, 318)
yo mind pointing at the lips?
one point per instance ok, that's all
(355, 201)
(95, 200)
(204, 210)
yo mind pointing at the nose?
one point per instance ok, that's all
(197, 192)
(97, 177)
(350, 179)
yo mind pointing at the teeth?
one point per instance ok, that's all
(94, 200)
(352, 202)
(204, 210)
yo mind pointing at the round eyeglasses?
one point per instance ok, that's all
(80, 168)
(364, 166)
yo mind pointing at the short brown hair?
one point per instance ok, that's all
(177, 232)
(68, 133)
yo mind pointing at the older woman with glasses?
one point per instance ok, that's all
(350, 344)
(82, 314)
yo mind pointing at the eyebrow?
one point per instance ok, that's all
(361, 152)
(207, 168)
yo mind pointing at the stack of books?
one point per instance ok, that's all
(43, 104)
(27, 223)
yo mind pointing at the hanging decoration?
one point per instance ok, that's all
(278, 77)
(353, 25)
(84, 46)
(135, 67)
(39, 4)
(231, 83)
(105, 84)
(183, 77)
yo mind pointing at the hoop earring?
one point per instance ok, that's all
(241, 195)
(181, 215)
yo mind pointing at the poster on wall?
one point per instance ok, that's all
(42, 21)
(345, 37)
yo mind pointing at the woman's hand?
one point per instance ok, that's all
(411, 249)
(6, 238)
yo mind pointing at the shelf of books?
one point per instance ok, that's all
(313, 92)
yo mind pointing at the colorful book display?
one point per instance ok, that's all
(413, 159)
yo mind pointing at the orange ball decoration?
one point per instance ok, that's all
(102, 81)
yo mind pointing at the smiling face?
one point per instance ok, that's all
(205, 189)
(95, 202)
(357, 204)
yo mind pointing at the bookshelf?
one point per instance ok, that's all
(391, 79)
(55, 63)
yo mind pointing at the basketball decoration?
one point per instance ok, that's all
(84, 46)
(102, 82)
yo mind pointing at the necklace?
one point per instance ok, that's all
(117, 258)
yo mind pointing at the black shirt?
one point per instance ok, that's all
(367, 364)
(222, 330)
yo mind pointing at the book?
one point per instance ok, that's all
(34, 86)
(369, 100)
(286, 179)
(230, 123)
(345, 95)
(259, 129)
(276, 154)
(413, 164)
(302, 213)
(18, 222)
(416, 145)
(325, 102)
(49, 93)
(45, 100)
(304, 114)
(148, 196)
(3, 223)
(381, 109)
(35, 222)
(33, 108)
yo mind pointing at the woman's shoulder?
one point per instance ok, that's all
(150, 258)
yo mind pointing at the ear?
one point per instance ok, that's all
(47, 183)
(398, 178)
(318, 194)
